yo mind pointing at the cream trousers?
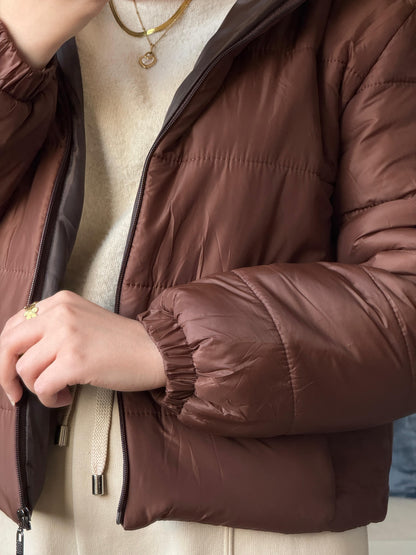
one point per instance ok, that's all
(68, 520)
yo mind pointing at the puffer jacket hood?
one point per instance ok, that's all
(270, 257)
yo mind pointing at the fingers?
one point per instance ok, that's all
(51, 386)
(13, 389)
(19, 318)
(61, 301)
(33, 362)
(13, 342)
(20, 336)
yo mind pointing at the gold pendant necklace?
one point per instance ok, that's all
(149, 59)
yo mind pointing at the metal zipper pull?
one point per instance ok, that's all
(24, 524)
(20, 541)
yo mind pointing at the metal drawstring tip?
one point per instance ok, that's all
(98, 484)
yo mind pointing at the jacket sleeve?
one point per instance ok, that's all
(27, 107)
(315, 347)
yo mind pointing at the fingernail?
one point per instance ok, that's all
(11, 400)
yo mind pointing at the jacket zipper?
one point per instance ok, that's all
(124, 488)
(135, 217)
(25, 511)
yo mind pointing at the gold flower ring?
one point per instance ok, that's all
(31, 311)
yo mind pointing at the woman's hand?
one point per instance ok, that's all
(40, 27)
(73, 341)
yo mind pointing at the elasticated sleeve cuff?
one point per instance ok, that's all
(17, 78)
(170, 339)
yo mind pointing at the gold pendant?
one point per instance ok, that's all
(148, 60)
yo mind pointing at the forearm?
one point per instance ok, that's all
(39, 27)
(297, 348)
(27, 108)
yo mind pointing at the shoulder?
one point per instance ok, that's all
(363, 28)
(364, 35)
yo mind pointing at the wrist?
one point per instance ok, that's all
(157, 365)
(148, 357)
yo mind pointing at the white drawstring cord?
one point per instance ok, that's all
(100, 435)
(100, 438)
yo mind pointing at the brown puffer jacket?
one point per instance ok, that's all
(272, 258)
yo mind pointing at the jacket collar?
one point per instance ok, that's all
(247, 18)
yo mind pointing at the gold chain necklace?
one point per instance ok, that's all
(149, 59)
(157, 29)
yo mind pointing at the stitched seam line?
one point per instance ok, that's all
(145, 412)
(406, 196)
(333, 60)
(344, 63)
(386, 84)
(257, 295)
(320, 59)
(395, 312)
(242, 161)
(145, 286)
(286, 53)
(14, 271)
